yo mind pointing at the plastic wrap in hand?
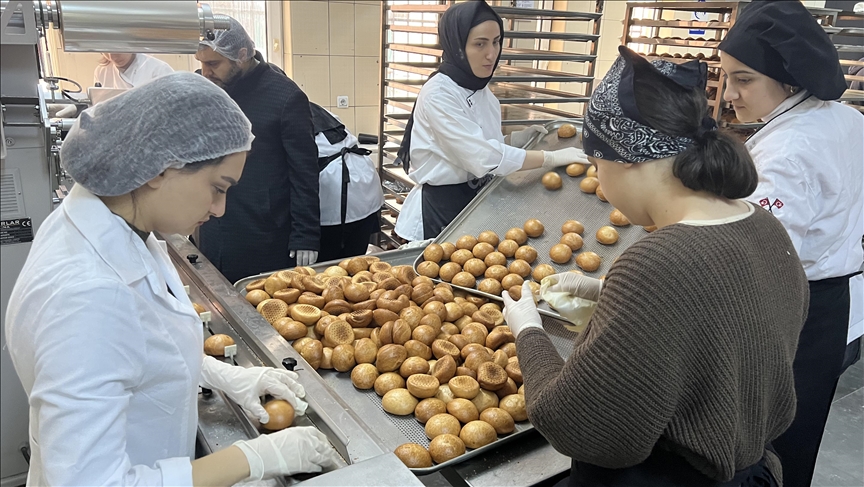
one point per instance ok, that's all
(572, 308)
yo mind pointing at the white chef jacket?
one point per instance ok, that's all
(364, 190)
(144, 68)
(456, 138)
(810, 161)
(109, 359)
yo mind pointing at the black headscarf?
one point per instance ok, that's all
(453, 29)
(782, 40)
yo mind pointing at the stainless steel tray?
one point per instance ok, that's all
(396, 430)
(508, 202)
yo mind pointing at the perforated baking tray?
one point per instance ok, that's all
(396, 430)
(508, 202)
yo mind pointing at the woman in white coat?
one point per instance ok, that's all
(101, 333)
(782, 69)
(453, 143)
(128, 70)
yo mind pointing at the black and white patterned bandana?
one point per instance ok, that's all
(614, 130)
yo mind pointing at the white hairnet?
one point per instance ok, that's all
(230, 42)
(120, 144)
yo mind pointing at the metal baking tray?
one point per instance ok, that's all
(396, 430)
(508, 202)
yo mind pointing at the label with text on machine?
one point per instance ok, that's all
(19, 230)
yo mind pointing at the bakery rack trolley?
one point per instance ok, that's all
(546, 73)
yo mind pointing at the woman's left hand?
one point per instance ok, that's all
(245, 386)
(521, 314)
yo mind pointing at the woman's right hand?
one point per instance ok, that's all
(564, 157)
(288, 452)
(576, 284)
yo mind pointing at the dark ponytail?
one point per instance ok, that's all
(716, 162)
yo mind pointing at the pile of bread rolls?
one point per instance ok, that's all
(446, 357)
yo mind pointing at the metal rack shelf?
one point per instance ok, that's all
(534, 78)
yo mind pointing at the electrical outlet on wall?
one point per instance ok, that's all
(342, 101)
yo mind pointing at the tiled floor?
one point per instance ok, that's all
(841, 457)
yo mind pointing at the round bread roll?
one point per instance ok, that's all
(281, 415)
(483, 249)
(591, 172)
(588, 261)
(464, 387)
(496, 272)
(446, 447)
(533, 227)
(289, 295)
(339, 332)
(485, 400)
(526, 253)
(572, 226)
(448, 249)
(566, 131)
(478, 433)
(589, 185)
(442, 424)
(363, 376)
(543, 270)
(441, 348)
(514, 404)
(466, 242)
(618, 219)
(560, 253)
(463, 410)
(255, 297)
(517, 235)
(464, 279)
(215, 345)
(413, 455)
(514, 371)
(399, 402)
(386, 382)
(390, 357)
(491, 286)
(422, 386)
(495, 258)
(575, 170)
(511, 280)
(273, 284)
(607, 235)
(600, 195)
(290, 329)
(509, 246)
(256, 284)
(306, 314)
(433, 253)
(491, 376)
(412, 366)
(520, 268)
(273, 309)
(508, 389)
(488, 236)
(444, 393)
(461, 256)
(552, 181)
(465, 371)
(445, 369)
(313, 353)
(499, 419)
(429, 407)
(572, 240)
(428, 269)
(475, 267)
(449, 270)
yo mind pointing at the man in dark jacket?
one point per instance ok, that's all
(271, 218)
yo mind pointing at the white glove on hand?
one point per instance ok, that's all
(245, 386)
(564, 157)
(304, 257)
(288, 452)
(521, 137)
(417, 243)
(521, 314)
(576, 284)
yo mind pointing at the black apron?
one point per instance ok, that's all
(442, 203)
(817, 367)
(664, 469)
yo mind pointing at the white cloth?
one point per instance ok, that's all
(109, 359)
(456, 138)
(364, 191)
(144, 68)
(811, 177)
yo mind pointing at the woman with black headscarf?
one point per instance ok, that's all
(783, 69)
(453, 143)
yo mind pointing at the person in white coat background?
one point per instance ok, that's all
(128, 70)
(453, 143)
(102, 335)
(783, 69)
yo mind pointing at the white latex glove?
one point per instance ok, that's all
(521, 314)
(304, 257)
(576, 284)
(288, 452)
(245, 386)
(521, 137)
(564, 157)
(417, 243)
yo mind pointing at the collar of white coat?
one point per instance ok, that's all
(787, 104)
(102, 228)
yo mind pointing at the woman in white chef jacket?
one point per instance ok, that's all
(128, 70)
(453, 143)
(782, 69)
(349, 189)
(106, 343)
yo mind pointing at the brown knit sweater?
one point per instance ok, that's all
(690, 347)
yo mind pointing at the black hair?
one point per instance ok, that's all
(716, 162)
(199, 165)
